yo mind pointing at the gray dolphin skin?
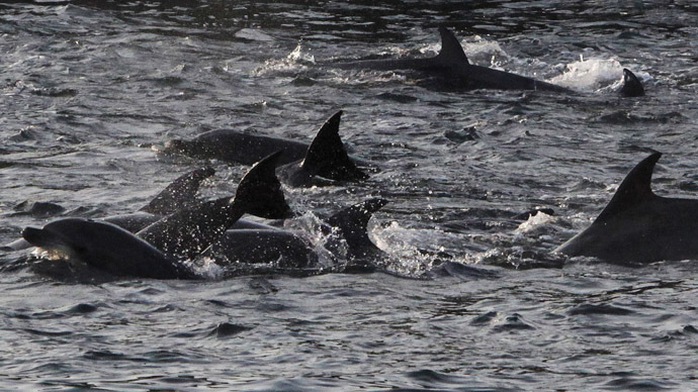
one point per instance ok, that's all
(229, 145)
(632, 87)
(157, 250)
(637, 226)
(180, 193)
(451, 65)
(189, 231)
(352, 223)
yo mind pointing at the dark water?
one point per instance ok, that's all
(90, 89)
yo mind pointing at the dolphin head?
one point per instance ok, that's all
(56, 244)
(77, 239)
(104, 246)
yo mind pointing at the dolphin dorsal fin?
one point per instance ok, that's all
(451, 50)
(180, 193)
(327, 157)
(353, 221)
(189, 231)
(259, 191)
(635, 188)
(632, 86)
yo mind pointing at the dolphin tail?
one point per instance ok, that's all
(451, 53)
(327, 157)
(180, 193)
(352, 222)
(635, 188)
(632, 87)
(259, 192)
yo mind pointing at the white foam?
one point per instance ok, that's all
(533, 222)
(298, 59)
(208, 268)
(591, 74)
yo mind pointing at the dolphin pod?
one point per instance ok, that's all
(168, 247)
(637, 226)
(167, 238)
(158, 250)
(451, 65)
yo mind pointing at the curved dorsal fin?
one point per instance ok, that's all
(352, 223)
(635, 188)
(260, 191)
(180, 193)
(451, 50)
(632, 86)
(327, 157)
(353, 220)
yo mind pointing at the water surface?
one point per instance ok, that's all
(90, 90)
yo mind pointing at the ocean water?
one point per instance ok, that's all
(92, 90)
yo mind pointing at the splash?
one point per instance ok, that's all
(402, 245)
(487, 53)
(54, 254)
(591, 74)
(298, 60)
(534, 222)
(207, 268)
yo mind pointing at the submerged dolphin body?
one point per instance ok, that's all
(452, 67)
(637, 226)
(324, 161)
(158, 250)
(229, 145)
(346, 238)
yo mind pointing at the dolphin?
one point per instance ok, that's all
(106, 247)
(229, 145)
(451, 66)
(345, 233)
(325, 161)
(159, 250)
(180, 193)
(189, 231)
(232, 146)
(637, 226)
